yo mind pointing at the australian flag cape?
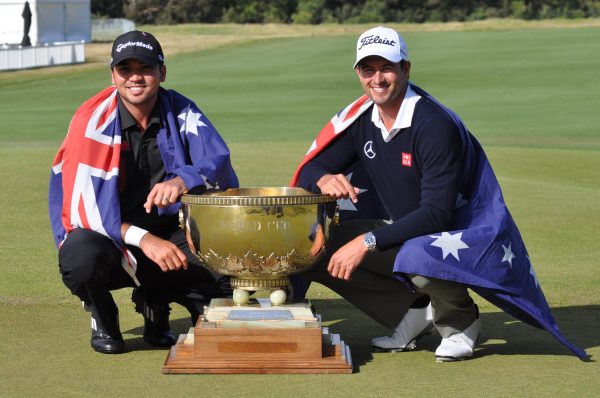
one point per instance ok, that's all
(484, 250)
(84, 180)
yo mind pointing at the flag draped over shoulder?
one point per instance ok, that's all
(84, 189)
(484, 250)
(338, 123)
(84, 186)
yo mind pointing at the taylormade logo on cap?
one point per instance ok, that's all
(131, 43)
(138, 45)
(382, 42)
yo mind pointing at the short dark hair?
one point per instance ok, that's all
(401, 63)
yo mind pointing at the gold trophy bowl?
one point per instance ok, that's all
(258, 236)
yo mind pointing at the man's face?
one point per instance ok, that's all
(383, 81)
(137, 82)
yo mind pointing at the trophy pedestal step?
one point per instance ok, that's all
(258, 339)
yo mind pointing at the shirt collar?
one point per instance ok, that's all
(403, 118)
(127, 120)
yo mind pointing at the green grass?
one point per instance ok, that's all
(530, 96)
(525, 88)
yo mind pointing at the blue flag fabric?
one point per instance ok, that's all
(84, 181)
(369, 206)
(484, 250)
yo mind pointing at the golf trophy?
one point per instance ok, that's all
(258, 236)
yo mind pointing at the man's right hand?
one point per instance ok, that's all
(337, 186)
(164, 253)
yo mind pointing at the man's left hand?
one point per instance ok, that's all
(348, 257)
(165, 193)
(164, 253)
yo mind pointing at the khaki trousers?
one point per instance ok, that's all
(453, 308)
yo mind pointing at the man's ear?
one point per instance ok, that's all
(406, 69)
(163, 73)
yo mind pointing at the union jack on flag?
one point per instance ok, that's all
(484, 250)
(338, 123)
(84, 189)
(84, 179)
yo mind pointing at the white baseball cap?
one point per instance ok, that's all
(383, 42)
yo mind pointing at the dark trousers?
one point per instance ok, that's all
(90, 265)
(373, 288)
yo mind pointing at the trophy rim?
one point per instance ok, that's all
(225, 198)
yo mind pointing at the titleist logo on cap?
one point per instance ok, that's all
(365, 41)
(133, 43)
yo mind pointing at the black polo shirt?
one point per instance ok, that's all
(141, 168)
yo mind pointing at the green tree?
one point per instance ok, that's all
(372, 11)
(309, 12)
(144, 11)
(185, 11)
(107, 8)
(257, 11)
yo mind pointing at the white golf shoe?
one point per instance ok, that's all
(459, 346)
(416, 323)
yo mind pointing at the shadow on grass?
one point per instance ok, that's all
(501, 333)
(138, 343)
(178, 326)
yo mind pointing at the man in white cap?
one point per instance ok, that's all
(410, 148)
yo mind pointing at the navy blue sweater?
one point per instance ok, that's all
(416, 174)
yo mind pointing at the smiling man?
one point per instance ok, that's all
(410, 149)
(430, 220)
(130, 153)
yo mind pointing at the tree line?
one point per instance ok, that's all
(338, 11)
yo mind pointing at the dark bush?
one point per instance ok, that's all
(339, 11)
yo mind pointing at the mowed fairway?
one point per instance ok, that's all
(531, 96)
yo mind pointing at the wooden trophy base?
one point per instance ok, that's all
(258, 338)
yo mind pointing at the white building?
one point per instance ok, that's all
(52, 21)
(59, 29)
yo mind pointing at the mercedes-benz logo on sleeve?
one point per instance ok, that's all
(369, 150)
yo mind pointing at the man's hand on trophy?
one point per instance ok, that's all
(337, 186)
(165, 193)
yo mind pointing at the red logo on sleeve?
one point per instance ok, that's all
(406, 159)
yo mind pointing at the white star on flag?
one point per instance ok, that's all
(460, 201)
(346, 204)
(508, 254)
(190, 121)
(450, 244)
(532, 273)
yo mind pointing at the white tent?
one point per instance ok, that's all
(52, 21)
